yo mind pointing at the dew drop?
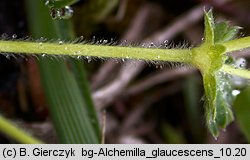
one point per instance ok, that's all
(14, 36)
(62, 13)
(47, 3)
(42, 39)
(165, 42)
(123, 60)
(235, 92)
(151, 45)
(67, 12)
(60, 42)
(77, 52)
(7, 56)
(158, 57)
(80, 39)
(105, 41)
(54, 13)
(240, 62)
(43, 55)
(88, 59)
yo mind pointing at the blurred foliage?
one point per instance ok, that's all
(172, 135)
(93, 12)
(242, 111)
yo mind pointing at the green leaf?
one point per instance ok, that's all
(211, 124)
(81, 77)
(223, 103)
(242, 110)
(216, 84)
(224, 115)
(218, 91)
(209, 28)
(224, 32)
(69, 108)
(209, 83)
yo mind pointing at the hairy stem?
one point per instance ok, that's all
(237, 44)
(14, 132)
(236, 71)
(101, 51)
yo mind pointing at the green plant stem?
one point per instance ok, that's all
(236, 71)
(177, 55)
(16, 133)
(237, 44)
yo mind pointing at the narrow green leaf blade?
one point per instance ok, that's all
(81, 78)
(209, 28)
(67, 105)
(209, 83)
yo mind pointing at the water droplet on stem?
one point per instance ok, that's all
(14, 36)
(62, 13)
(40, 44)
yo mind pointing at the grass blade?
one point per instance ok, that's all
(68, 108)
